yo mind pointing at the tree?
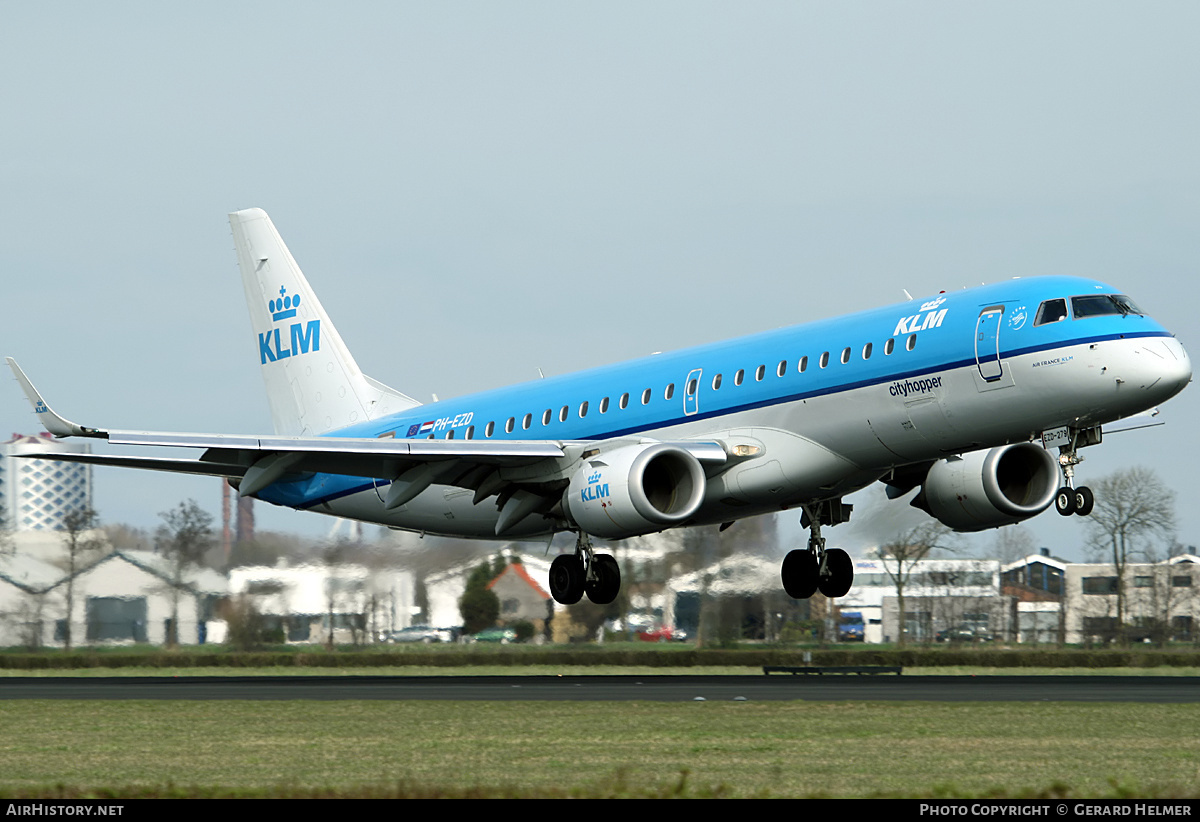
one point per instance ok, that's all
(1134, 513)
(184, 537)
(901, 555)
(480, 608)
(1011, 543)
(79, 540)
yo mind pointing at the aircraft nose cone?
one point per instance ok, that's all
(1174, 369)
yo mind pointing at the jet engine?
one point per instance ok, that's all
(634, 490)
(987, 489)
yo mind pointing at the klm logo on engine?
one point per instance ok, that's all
(282, 342)
(595, 489)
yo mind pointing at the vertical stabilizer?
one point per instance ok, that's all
(313, 383)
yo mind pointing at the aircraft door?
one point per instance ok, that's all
(987, 343)
(691, 391)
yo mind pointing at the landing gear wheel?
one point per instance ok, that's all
(839, 573)
(1064, 501)
(566, 579)
(607, 584)
(1084, 501)
(800, 574)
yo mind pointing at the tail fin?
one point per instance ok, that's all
(313, 383)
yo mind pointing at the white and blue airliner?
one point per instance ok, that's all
(962, 394)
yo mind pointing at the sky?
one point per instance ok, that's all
(478, 190)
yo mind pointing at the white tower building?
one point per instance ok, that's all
(35, 494)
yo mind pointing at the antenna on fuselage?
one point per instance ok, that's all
(907, 296)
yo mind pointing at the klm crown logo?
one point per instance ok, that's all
(304, 337)
(284, 307)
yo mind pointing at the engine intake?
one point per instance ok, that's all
(987, 489)
(634, 490)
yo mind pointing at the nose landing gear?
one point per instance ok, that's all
(1069, 499)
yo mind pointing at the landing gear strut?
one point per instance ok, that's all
(829, 571)
(584, 572)
(1069, 499)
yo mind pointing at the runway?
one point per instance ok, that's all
(1145, 689)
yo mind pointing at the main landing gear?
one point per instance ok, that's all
(584, 572)
(829, 571)
(1069, 499)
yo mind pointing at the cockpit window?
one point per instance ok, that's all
(1098, 305)
(1051, 311)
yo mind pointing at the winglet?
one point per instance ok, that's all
(56, 425)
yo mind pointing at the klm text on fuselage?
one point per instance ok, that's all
(305, 338)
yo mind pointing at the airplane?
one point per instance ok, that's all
(962, 395)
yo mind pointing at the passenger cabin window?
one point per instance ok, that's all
(450, 434)
(646, 397)
(490, 429)
(845, 356)
(670, 392)
(867, 351)
(527, 421)
(562, 413)
(470, 432)
(583, 406)
(824, 359)
(624, 401)
(692, 386)
(760, 372)
(888, 347)
(546, 416)
(912, 342)
(782, 369)
(1051, 311)
(739, 376)
(803, 364)
(508, 426)
(604, 406)
(716, 382)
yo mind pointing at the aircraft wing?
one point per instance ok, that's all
(411, 466)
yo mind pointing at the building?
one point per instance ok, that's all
(942, 598)
(303, 602)
(1156, 601)
(24, 580)
(36, 494)
(128, 597)
(1035, 586)
(444, 589)
(521, 598)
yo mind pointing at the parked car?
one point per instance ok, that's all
(964, 634)
(420, 633)
(501, 635)
(662, 634)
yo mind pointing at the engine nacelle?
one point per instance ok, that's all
(634, 490)
(987, 489)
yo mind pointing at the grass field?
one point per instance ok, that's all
(794, 749)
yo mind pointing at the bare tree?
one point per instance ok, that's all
(1011, 543)
(80, 541)
(1134, 512)
(901, 555)
(184, 537)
